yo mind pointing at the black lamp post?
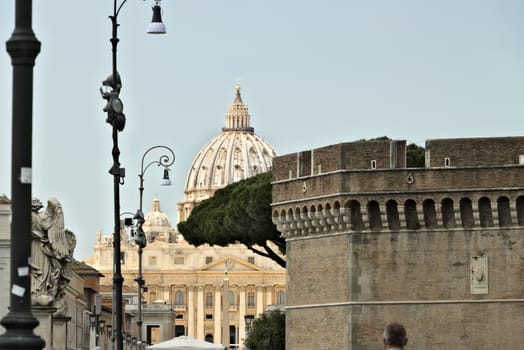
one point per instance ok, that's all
(110, 91)
(140, 239)
(110, 336)
(23, 47)
(248, 319)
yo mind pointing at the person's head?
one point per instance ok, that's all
(395, 335)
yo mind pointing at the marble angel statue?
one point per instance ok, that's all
(52, 249)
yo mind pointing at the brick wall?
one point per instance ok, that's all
(350, 155)
(475, 151)
(348, 277)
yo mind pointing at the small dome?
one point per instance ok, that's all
(156, 218)
(237, 153)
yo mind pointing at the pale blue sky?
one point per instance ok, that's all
(313, 73)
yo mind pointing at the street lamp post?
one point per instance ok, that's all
(248, 319)
(23, 47)
(165, 160)
(115, 117)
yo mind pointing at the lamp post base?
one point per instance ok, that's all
(19, 332)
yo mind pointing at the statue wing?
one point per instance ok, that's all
(56, 231)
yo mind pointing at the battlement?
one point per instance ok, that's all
(358, 155)
(473, 189)
(391, 154)
(468, 152)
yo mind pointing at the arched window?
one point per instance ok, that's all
(410, 211)
(486, 218)
(520, 210)
(448, 213)
(430, 214)
(281, 297)
(209, 338)
(504, 212)
(250, 299)
(354, 215)
(375, 221)
(466, 213)
(392, 215)
(179, 298)
(232, 299)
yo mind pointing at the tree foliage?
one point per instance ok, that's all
(269, 332)
(240, 212)
(415, 156)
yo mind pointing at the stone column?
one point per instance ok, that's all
(218, 315)
(260, 300)
(190, 312)
(200, 313)
(225, 313)
(241, 313)
(44, 315)
(269, 296)
(60, 332)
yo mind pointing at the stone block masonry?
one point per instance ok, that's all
(439, 249)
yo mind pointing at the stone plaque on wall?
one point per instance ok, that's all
(479, 274)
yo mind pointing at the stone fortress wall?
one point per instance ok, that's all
(370, 241)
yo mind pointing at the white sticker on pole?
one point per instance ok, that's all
(26, 176)
(18, 290)
(23, 271)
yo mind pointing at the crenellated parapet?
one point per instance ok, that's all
(387, 196)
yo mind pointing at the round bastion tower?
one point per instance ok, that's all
(237, 153)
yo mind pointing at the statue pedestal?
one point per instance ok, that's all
(44, 315)
(60, 332)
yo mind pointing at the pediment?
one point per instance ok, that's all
(229, 263)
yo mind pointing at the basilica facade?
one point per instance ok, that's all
(185, 284)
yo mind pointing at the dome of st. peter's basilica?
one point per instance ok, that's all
(237, 153)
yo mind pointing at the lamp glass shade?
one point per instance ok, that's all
(166, 181)
(92, 320)
(156, 26)
(248, 319)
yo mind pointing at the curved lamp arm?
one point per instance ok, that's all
(165, 160)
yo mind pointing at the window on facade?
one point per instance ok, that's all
(209, 316)
(251, 259)
(251, 299)
(281, 298)
(179, 260)
(232, 299)
(122, 258)
(209, 259)
(373, 164)
(179, 298)
(152, 261)
(447, 162)
(209, 300)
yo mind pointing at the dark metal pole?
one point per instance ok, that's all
(23, 47)
(117, 120)
(141, 240)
